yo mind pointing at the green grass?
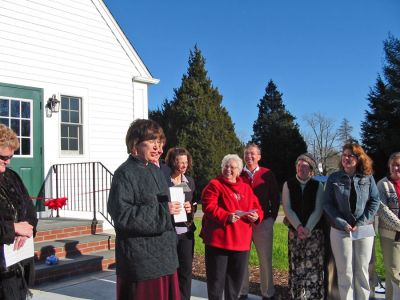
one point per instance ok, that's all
(279, 258)
(279, 252)
(379, 267)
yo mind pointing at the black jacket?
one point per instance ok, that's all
(146, 240)
(15, 206)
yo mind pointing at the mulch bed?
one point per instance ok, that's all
(280, 278)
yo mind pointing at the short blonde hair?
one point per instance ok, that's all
(234, 157)
(394, 157)
(8, 138)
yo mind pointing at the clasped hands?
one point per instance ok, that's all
(303, 232)
(23, 231)
(252, 217)
(349, 229)
(175, 207)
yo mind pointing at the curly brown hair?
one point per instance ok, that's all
(364, 162)
(8, 138)
(173, 153)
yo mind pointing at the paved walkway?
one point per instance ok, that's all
(100, 286)
(97, 286)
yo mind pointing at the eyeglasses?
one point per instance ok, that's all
(5, 158)
(230, 167)
(353, 156)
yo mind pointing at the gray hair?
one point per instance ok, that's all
(393, 157)
(234, 157)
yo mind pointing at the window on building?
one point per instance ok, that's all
(71, 125)
(17, 114)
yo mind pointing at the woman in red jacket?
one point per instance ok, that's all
(230, 207)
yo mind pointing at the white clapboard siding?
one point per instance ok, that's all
(76, 48)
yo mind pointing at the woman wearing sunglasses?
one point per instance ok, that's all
(351, 202)
(17, 221)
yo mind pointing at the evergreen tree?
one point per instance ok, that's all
(277, 134)
(195, 119)
(381, 129)
(345, 132)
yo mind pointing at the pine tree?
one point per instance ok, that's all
(277, 134)
(195, 119)
(381, 129)
(345, 132)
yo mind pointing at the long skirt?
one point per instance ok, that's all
(306, 265)
(162, 288)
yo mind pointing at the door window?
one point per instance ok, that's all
(17, 114)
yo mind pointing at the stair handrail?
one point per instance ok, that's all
(81, 183)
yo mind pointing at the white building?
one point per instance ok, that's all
(76, 51)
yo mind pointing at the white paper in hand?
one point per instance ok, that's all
(241, 213)
(177, 194)
(363, 232)
(12, 256)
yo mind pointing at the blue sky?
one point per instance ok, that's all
(323, 55)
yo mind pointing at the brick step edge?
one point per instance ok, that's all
(63, 233)
(74, 247)
(98, 261)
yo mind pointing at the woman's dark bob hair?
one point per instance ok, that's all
(173, 153)
(142, 130)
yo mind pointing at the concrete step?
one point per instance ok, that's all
(60, 228)
(85, 244)
(74, 265)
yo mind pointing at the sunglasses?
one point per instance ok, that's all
(5, 158)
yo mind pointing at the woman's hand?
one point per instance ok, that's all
(302, 232)
(253, 217)
(348, 228)
(19, 242)
(174, 207)
(188, 207)
(232, 218)
(23, 229)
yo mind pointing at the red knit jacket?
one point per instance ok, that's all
(219, 199)
(266, 189)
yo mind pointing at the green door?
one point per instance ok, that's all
(20, 109)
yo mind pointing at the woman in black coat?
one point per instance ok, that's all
(17, 221)
(146, 258)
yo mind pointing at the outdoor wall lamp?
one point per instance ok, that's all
(52, 105)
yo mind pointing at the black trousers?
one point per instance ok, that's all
(225, 271)
(185, 257)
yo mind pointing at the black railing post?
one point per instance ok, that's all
(94, 221)
(56, 167)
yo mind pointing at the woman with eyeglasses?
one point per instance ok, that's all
(17, 221)
(302, 198)
(351, 203)
(179, 161)
(389, 226)
(230, 208)
(146, 258)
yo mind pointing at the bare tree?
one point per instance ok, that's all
(322, 139)
(344, 132)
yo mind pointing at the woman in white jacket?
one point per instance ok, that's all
(389, 226)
